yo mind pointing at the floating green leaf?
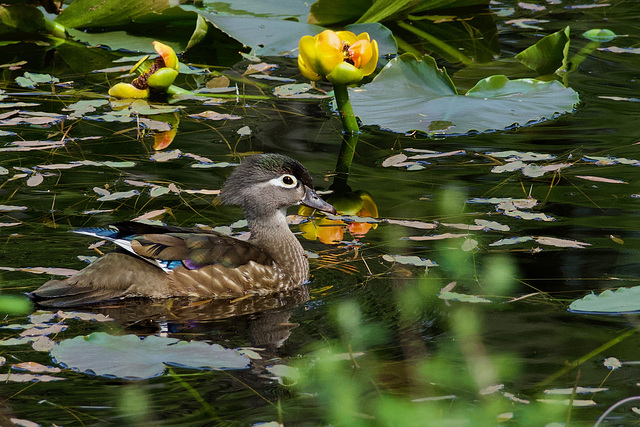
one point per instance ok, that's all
(297, 10)
(265, 36)
(31, 80)
(419, 96)
(598, 35)
(623, 300)
(274, 37)
(130, 357)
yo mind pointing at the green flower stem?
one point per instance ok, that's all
(345, 157)
(349, 137)
(55, 29)
(593, 353)
(176, 90)
(349, 122)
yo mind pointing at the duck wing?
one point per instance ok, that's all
(168, 247)
(196, 250)
(201, 263)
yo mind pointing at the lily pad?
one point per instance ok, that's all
(623, 300)
(31, 80)
(297, 10)
(270, 37)
(417, 95)
(129, 357)
(599, 35)
(274, 37)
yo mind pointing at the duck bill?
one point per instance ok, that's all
(314, 201)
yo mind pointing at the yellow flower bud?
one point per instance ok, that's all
(340, 57)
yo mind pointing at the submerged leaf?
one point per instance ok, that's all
(601, 179)
(491, 225)
(35, 180)
(31, 80)
(561, 243)
(119, 195)
(21, 378)
(455, 296)
(35, 368)
(394, 160)
(411, 260)
(165, 156)
(413, 224)
(212, 115)
(577, 390)
(7, 208)
(128, 356)
(622, 300)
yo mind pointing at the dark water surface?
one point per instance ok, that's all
(537, 331)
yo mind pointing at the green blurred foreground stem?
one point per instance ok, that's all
(591, 354)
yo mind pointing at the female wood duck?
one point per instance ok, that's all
(160, 262)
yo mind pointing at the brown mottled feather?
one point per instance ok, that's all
(118, 275)
(203, 249)
(114, 275)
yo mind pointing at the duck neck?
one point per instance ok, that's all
(272, 233)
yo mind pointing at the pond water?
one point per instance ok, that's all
(523, 339)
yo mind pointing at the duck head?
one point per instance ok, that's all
(267, 183)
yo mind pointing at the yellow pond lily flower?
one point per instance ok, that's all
(328, 231)
(159, 76)
(340, 57)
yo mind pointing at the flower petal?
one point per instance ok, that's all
(318, 57)
(328, 49)
(127, 90)
(330, 39)
(360, 53)
(370, 66)
(306, 71)
(347, 36)
(168, 55)
(363, 36)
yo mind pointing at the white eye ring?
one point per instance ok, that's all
(284, 181)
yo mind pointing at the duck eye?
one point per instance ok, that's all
(288, 181)
(284, 181)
